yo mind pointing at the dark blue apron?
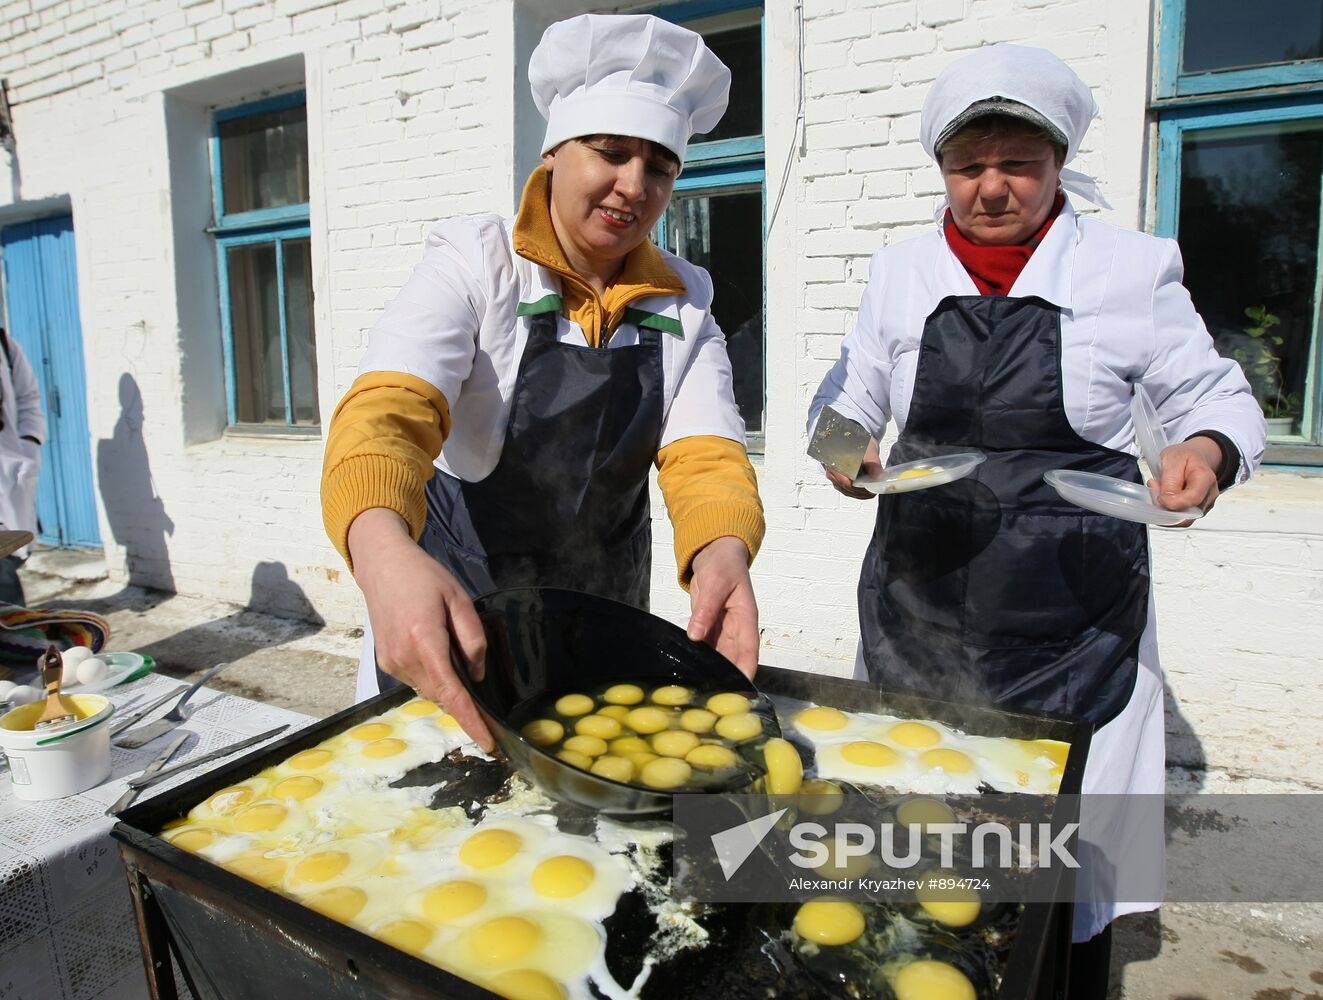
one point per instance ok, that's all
(993, 588)
(567, 504)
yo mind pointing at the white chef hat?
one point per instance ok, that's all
(626, 74)
(1016, 80)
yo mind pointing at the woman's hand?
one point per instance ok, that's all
(723, 612)
(417, 609)
(871, 468)
(1189, 478)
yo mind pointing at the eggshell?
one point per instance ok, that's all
(74, 656)
(91, 670)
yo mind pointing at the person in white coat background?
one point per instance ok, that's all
(1018, 328)
(22, 433)
(516, 394)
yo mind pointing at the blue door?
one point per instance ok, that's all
(41, 292)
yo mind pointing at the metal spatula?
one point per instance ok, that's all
(59, 709)
(839, 443)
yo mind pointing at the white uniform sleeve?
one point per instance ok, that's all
(703, 401)
(430, 329)
(859, 384)
(31, 420)
(1193, 387)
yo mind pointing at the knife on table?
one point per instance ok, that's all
(145, 779)
(158, 762)
(142, 713)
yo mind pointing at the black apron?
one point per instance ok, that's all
(993, 588)
(567, 504)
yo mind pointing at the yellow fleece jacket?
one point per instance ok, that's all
(390, 426)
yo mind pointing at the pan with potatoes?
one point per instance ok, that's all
(662, 737)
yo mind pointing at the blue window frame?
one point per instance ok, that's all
(1239, 105)
(717, 215)
(259, 155)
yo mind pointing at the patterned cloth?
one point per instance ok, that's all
(26, 632)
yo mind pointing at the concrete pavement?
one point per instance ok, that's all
(1186, 952)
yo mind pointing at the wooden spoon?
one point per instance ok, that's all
(59, 709)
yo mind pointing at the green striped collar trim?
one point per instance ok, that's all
(655, 321)
(548, 303)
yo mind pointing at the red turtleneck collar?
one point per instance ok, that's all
(995, 268)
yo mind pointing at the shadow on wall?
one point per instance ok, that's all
(137, 516)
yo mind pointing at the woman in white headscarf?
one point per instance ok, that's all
(1018, 328)
(518, 390)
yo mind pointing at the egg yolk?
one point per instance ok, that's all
(953, 905)
(639, 758)
(698, 720)
(407, 935)
(418, 709)
(562, 877)
(729, 703)
(924, 812)
(192, 840)
(674, 742)
(830, 923)
(589, 746)
(488, 848)
(615, 768)
(738, 728)
(630, 744)
(623, 694)
(505, 939)
(665, 772)
(785, 771)
(259, 869)
(711, 757)
(300, 787)
(370, 731)
(574, 704)
(448, 721)
(866, 753)
(950, 761)
(310, 760)
(381, 749)
(822, 718)
(1053, 750)
(601, 726)
(672, 694)
(927, 979)
(526, 984)
(451, 901)
(574, 759)
(838, 866)
(617, 712)
(342, 903)
(648, 720)
(543, 732)
(322, 866)
(263, 816)
(820, 797)
(915, 473)
(914, 735)
(229, 799)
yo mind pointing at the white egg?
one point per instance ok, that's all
(74, 655)
(24, 695)
(91, 670)
(5, 688)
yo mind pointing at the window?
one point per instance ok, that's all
(715, 218)
(1239, 102)
(260, 173)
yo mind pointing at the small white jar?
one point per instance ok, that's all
(57, 761)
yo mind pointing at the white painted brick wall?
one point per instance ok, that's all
(414, 119)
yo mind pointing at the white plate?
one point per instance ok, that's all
(942, 469)
(1148, 430)
(1116, 497)
(118, 668)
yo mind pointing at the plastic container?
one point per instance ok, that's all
(923, 474)
(1116, 498)
(60, 760)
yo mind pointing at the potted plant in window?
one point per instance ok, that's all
(1263, 367)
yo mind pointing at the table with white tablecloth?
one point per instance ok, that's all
(67, 929)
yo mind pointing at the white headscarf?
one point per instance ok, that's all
(1031, 77)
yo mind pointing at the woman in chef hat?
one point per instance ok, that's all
(1018, 329)
(517, 391)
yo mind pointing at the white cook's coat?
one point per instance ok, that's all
(1125, 318)
(454, 324)
(20, 461)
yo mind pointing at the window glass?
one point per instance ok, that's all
(1234, 34)
(722, 231)
(1249, 233)
(298, 326)
(741, 49)
(259, 378)
(264, 160)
